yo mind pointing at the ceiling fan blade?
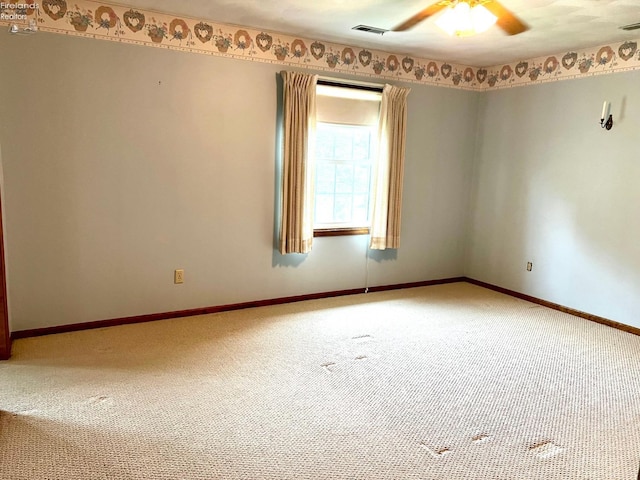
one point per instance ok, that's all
(506, 20)
(420, 16)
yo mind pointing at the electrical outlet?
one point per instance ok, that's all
(178, 276)
(529, 266)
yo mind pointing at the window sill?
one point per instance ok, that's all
(338, 232)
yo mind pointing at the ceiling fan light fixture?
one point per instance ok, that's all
(482, 19)
(456, 19)
(462, 20)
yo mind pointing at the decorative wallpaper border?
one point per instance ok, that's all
(90, 18)
(599, 60)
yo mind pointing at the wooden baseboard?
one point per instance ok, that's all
(426, 283)
(37, 332)
(555, 306)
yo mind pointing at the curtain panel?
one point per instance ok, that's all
(387, 205)
(299, 115)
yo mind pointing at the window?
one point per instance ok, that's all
(346, 141)
(299, 120)
(344, 164)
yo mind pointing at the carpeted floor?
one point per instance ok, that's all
(446, 382)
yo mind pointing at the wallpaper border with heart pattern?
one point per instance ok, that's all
(90, 18)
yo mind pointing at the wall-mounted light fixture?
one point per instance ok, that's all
(606, 114)
(32, 27)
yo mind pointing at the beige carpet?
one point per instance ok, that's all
(446, 382)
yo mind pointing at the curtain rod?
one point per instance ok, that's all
(336, 83)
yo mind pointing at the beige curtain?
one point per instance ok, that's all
(387, 203)
(299, 111)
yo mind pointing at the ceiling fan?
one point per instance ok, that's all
(462, 15)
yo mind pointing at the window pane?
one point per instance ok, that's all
(362, 145)
(342, 208)
(324, 143)
(343, 145)
(324, 209)
(344, 178)
(325, 177)
(360, 208)
(362, 179)
(343, 174)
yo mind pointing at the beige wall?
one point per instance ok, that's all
(123, 163)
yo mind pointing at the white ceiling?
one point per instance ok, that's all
(557, 26)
